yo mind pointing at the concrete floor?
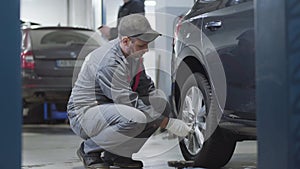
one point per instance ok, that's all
(54, 147)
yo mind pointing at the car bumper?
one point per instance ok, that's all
(46, 89)
(242, 128)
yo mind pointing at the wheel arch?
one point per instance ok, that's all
(189, 64)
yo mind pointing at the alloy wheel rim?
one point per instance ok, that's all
(194, 114)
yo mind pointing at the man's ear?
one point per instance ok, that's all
(125, 40)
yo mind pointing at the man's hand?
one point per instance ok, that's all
(105, 30)
(178, 127)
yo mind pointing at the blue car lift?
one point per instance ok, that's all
(51, 113)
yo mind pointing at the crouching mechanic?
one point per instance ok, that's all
(114, 105)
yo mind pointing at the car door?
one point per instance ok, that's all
(230, 30)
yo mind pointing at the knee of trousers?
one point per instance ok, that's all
(127, 113)
(133, 126)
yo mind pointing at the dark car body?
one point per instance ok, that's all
(48, 59)
(213, 59)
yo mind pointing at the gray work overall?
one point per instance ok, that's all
(110, 108)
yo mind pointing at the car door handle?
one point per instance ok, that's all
(213, 25)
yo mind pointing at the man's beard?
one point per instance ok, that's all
(136, 54)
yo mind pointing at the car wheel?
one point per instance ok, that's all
(33, 113)
(207, 145)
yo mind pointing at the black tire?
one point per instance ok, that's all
(35, 113)
(217, 150)
(213, 149)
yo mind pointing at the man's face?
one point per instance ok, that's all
(137, 47)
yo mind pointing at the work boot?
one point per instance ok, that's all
(91, 160)
(121, 162)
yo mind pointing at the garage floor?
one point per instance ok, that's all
(54, 147)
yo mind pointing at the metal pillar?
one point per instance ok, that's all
(10, 86)
(278, 83)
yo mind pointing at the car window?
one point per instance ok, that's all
(44, 37)
(64, 37)
(204, 6)
(235, 2)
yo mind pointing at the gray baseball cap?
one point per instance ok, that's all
(137, 25)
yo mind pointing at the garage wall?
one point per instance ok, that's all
(167, 11)
(111, 8)
(45, 12)
(97, 13)
(89, 13)
(81, 13)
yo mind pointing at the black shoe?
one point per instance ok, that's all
(91, 160)
(122, 162)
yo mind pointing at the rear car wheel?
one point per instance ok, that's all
(33, 113)
(209, 146)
